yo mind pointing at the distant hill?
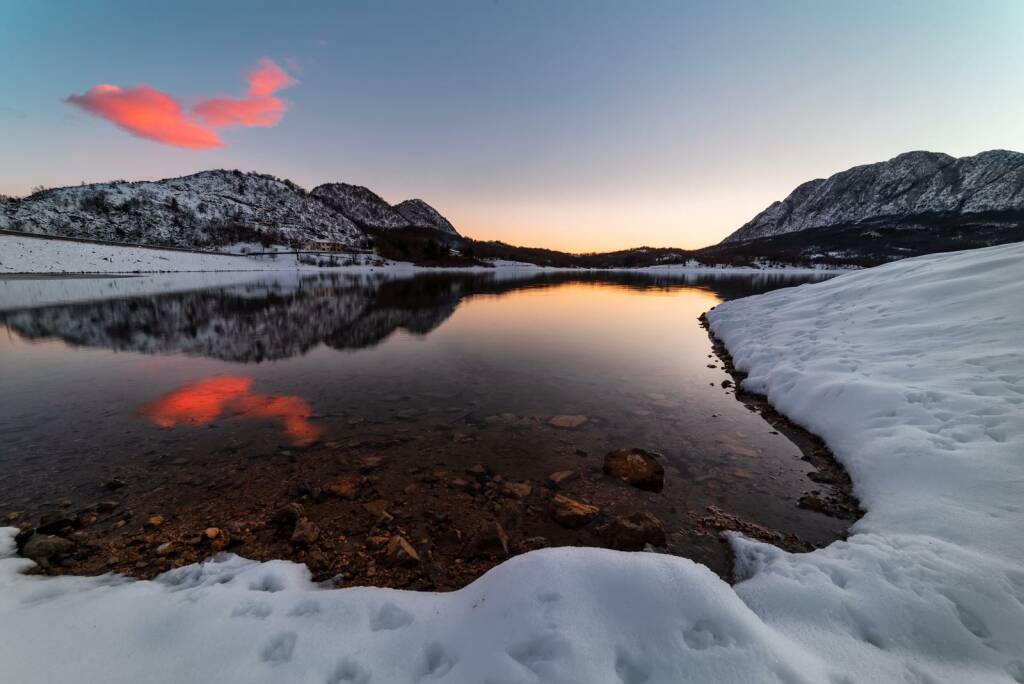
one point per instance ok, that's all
(915, 203)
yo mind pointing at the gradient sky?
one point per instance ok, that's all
(573, 125)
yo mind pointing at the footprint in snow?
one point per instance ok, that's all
(388, 617)
(279, 649)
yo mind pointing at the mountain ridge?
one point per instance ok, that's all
(210, 209)
(912, 188)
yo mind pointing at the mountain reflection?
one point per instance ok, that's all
(203, 402)
(284, 316)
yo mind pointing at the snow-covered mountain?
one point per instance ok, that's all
(212, 209)
(421, 215)
(915, 189)
(365, 207)
(207, 209)
(369, 211)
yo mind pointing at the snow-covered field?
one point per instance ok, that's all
(914, 374)
(41, 255)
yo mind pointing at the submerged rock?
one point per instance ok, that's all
(636, 467)
(567, 422)
(633, 532)
(345, 486)
(572, 513)
(400, 552)
(491, 541)
(306, 532)
(561, 478)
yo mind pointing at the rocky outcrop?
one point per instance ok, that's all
(421, 215)
(363, 206)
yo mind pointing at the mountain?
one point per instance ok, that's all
(207, 209)
(362, 205)
(939, 202)
(217, 208)
(419, 214)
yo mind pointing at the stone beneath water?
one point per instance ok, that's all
(400, 552)
(572, 513)
(634, 532)
(345, 486)
(636, 467)
(567, 422)
(562, 477)
(306, 532)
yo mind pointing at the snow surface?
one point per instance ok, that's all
(913, 374)
(44, 255)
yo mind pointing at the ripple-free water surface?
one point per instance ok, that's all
(469, 368)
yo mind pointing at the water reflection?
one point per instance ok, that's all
(203, 402)
(439, 372)
(278, 317)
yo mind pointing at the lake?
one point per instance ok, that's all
(441, 403)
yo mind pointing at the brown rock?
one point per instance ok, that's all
(561, 478)
(370, 463)
(212, 532)
(115, 483)
(633, 532)
(154, 521)
(285, 518)
(478, 470)
(567, 422)
(400, 552)
(534, 543)
(345, 487)
(306, 532)
(517, 490)
(107, 506)
(165, 549)
(42, 547)
(636, 467)
(812, 502)
(491, 541)
(572, 513)
(376, 541)
(218, 545)
(55, 522)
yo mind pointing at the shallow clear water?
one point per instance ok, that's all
(468, 368)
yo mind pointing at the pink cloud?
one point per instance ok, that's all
(149, 113)
(261, 108)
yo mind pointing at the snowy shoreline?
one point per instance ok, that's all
(34, 255)
(912, 373)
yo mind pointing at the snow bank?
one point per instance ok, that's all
(558, 615)
(41, 255)
(913, 372)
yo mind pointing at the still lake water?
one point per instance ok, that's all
(467, 367)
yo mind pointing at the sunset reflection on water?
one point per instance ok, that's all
(203, 402)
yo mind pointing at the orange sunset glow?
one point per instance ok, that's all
(203, 402)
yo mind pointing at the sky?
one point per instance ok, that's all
(574, 125)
